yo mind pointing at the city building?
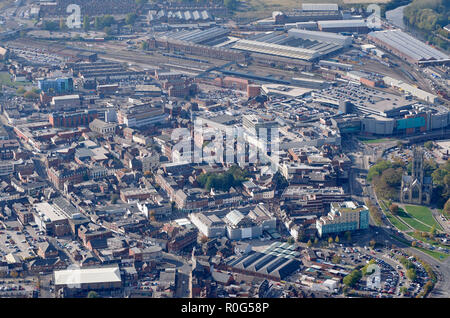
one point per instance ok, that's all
(56, 86)
(74, 281)
(343, 217)
(102, 127)
(72, 119)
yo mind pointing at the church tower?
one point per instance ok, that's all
(417, 165)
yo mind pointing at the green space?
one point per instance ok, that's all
(419, 237)
(429, 17)
(5, 79)
(408, 219)
(397, 223)
(423, 214)
(374, 141)
(437, 255)
(393, 219)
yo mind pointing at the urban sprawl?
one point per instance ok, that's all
(170, 150)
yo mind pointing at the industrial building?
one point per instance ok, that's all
(409, 89)
(352, 26)
(407, 47)
(215, 35)
(276, 262)
(326, 37)
(275, 49)
(78, 280)
(294, 44)
(175, 45)
(180, 16)
(309, 12)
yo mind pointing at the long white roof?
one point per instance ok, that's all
(87, 276)
(409, 45)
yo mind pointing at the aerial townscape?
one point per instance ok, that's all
(224, 149)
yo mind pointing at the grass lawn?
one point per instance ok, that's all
(374, 141)
(397, 223)
(423, 214)
(412, 222)
(393, 219)
(437, 255)
(5, 79)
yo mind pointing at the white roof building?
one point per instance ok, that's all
(84, 277)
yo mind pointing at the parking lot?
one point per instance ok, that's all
(21, 243)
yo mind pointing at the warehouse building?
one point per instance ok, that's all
(409, 89)
(326, 37)
(309, 12)
(215, 35)
(75, 281)
(407, 47)
(352, 26)
(276, 262)
(175, 45)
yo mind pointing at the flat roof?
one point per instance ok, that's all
(49, 211)
(88, 276)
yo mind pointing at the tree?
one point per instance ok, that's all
(330, 240)
(394, 209)
(131, 18)
(366, 267)
(353, 278)
(433, 231)
(204, 239)
(279, 181)
(413, 243)
(14, 274)
(316, 241)
(92, 294)
(21, 90)
(309, 244)
(372, 243)
(291, 240)
(31, 95)
(403, 290)
(411, 274)
(429, 145)
(336, 259)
